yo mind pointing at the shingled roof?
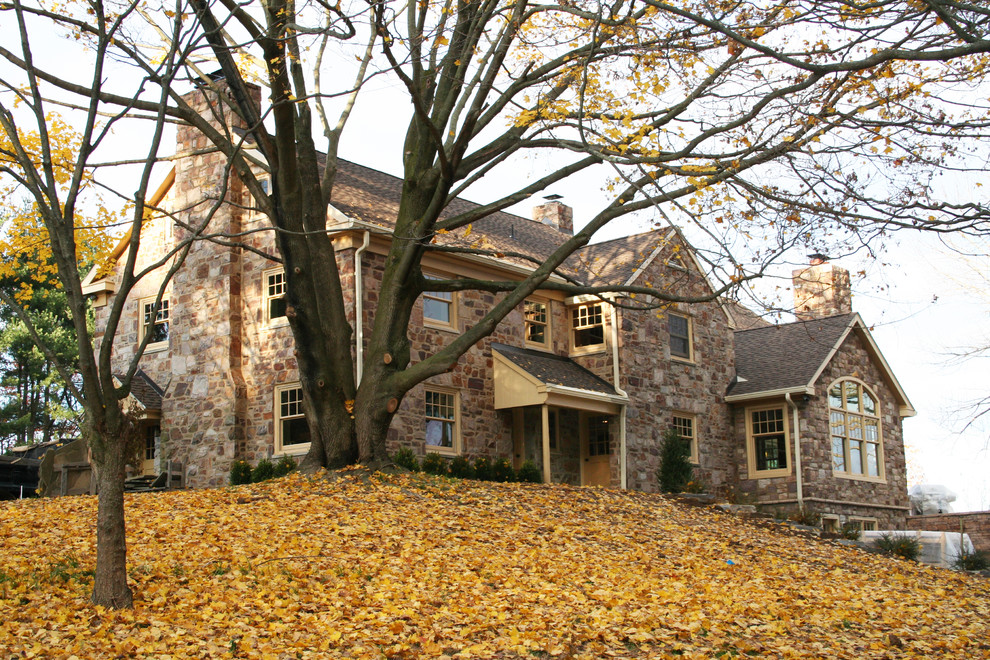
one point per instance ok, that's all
(146, 391)
(785, 357)
(615, 261)
(554, 369)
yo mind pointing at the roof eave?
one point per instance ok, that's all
(767, 394)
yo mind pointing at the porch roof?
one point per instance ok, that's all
(525, 377)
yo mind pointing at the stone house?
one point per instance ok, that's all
(583, 388)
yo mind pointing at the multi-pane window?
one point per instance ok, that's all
(441, 420)
(599, 439)
(685, 427)
(438, 306)
(537, 322)
(769, 438)
(587, 326)
(854, 418)
(292, 431)
(155, 320)
(680, 336)
(274, 295)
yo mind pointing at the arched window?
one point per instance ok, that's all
(854, 418)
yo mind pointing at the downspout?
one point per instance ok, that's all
(359, 310)
(615, 384)
(797, 451)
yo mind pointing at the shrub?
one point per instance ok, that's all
(850, 531)
(695, 486)
(502, 471)
(808, 517)
(435, 464)
(405, 458)
(972, 561)
(284, 466)
(483, 469)
(263, 471)
(240, 473)
(675, 462)
(899, 545)
(461, 468)
(529, 473)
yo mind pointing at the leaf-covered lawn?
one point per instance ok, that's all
(410, 566)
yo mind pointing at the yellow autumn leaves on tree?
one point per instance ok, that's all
(423, 567)
(25, 246)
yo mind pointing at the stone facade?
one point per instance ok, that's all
(825, 491)
(225, 360)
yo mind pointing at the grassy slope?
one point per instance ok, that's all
(415, 567)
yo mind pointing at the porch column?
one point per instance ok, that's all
(545, 414)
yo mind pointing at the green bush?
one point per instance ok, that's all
(850, 531)
(240, 473)
(972, 561)
(405, 458)
(502, 471)
(806, 516)
(263, 471)
(483, 469)
(284, 466)
(899, 545)
(695, 486)
(675, 462)
(435, 464)
(461, 468)
(529, 473)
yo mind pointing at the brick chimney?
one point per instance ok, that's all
(821, 290)
(555, 214)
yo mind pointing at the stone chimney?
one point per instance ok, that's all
(821, 290)
(555, 214)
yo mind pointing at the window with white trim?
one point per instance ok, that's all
(291, 429)
(766, 439)
(274, 296)
(854, 420)
(587, 326)
(679, 327)
(686, 426)
(155, 322)
(442, 421)
(537, 318)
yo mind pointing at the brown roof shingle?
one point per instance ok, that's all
(554, 369)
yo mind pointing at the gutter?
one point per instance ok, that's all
(622, 408)
(797, 450)
(359, 310)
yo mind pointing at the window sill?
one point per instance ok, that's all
(539, 347)
(280, 322)
(294, 450)
(683, 360)
(588, 350)
(858, 477)
(436, 325)
(769, 474)
(157, 347)
(443, 451)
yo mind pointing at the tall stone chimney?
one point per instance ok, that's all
(555, 214)
(822, 289)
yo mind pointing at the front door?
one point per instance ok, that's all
(596, 450)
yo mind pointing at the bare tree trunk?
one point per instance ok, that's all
(110, 587)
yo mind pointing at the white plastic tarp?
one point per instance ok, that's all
(937, 548)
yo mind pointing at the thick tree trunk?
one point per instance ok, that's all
(110, 584)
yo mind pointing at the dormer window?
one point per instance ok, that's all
(587, 326)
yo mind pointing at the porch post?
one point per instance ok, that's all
(545, 414)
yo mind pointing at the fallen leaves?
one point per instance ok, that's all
(415, 566)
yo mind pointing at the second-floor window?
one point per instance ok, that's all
(438, 307)
(155, 322)
(537, 317)
(274, 296)
(680, 336)
(587, 326)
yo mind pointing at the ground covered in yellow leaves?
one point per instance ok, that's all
(421, 567)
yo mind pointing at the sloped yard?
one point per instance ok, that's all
(411, 566)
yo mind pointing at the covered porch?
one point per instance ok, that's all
(565, 419)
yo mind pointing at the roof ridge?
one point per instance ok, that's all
(791, 323)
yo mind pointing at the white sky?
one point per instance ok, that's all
(923, 302)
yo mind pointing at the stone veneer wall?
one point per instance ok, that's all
(976, 524)
(825, 492)
(658, 386)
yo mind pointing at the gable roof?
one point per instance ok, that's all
(789, 358)
(146, 391)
